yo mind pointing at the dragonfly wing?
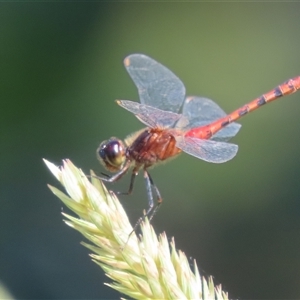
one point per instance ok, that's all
(227, 132)
(151, 116)
(208, 150)
(202, 111)
(157, 85)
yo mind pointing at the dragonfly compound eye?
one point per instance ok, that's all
(111, 154)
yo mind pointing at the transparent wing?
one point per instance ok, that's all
(151, 116)
(208, 150)
(198, 111)
(157, 86)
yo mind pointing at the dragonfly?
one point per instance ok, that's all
(175, 123)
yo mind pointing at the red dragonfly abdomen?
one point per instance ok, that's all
(206, 132)
(151, 146)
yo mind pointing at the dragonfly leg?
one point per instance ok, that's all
(117, 176)
(149, 182)
(133, 176)
(151, 212)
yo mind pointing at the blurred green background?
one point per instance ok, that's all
(62, 69)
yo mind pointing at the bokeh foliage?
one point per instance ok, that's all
(61, 70)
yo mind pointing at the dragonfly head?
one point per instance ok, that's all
(112, 154)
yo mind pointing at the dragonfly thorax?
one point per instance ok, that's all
(151, 146)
